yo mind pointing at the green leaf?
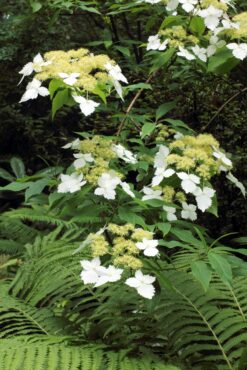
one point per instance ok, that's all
(197, 25)
(171, 20)
(221, 266)
(54, 85)
(164, 108)
(162, 59)
(16, 186)
(143, 165)
(18, 167)
(36, 188)
(154, 203)
(164, 227)
(6, 175)
(36, 6)
(61, 98)
(202, 273)
(108, 43)
(88, 9)
(176, 123)
(214, 207)
(123, 50)
(147, 129)
(100, 93)
(222, 62)
(187, 237)
(138, 86)
(127, 214)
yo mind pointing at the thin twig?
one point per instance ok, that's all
(132, 103)
(223, 106)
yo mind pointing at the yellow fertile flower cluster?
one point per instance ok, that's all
(240, 32)
(177, 36)
(169, 194)
(195, 153)
(90, 67)
(120, 244)
(215, 3)
(164, 132)
(102, 154)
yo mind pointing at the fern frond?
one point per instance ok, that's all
(19, 355)
(14, 234)
(50, 272)
(205, 325)
(38, 216)
(18, 318)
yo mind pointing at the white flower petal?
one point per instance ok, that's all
(89, 277)
(133, 282)
(151, 252)
(43, 91)
(146, 291)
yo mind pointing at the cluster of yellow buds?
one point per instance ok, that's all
(89, 67)
(100, 150)
(177, 36)
(195, 153)
(119, 241)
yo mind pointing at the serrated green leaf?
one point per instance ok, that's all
(124, 50)
(176, 123)
(222, 62)
(171, 20)
(197, 25)
(202, 273)
(147, 129)
(164, 108)
(61, 98)
(138, 86)
(221, 266)
(164, 227)
(54, 85)
(214, 207)
(187, 237)
(162, 59)
(36, 188)
(127, 214)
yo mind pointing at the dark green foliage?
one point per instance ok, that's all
(185, 323)
(49, 354)
(14, 235)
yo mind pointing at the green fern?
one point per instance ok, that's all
(38, 215)
(14, 234)
(19, 318)
(205, 327)
(197, 328)
(50, 273)
(20, 354)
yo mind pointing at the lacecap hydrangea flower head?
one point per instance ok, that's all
(179, 172)
(198, 29)
(125, 248)
(80, 72)
(93, 164)
(183, 168)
